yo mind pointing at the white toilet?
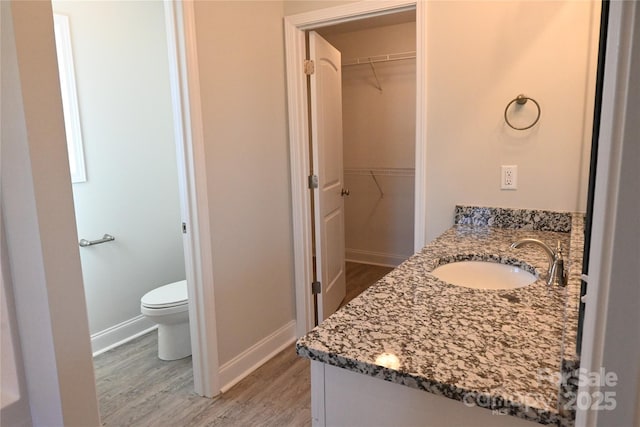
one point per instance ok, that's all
(167, 306)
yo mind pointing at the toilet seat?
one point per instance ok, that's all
(159, 313)
(167, 296)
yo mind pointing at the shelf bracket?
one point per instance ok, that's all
(373, 68)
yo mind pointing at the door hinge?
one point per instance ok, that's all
(316, 287)
(313, 181)
(309, 67)
(184, 228)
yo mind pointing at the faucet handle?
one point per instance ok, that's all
(558, 262)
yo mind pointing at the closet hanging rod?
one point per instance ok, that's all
(379, 58)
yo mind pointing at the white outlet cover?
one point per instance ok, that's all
(509, 177)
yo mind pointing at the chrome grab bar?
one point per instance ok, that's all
(106, 238)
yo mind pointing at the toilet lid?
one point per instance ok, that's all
(166, 296)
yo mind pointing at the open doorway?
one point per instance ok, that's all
(379, 121)
(172, 181)
(295, 27)
(131, 187)
(127, 205)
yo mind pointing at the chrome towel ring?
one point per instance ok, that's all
(521, 100)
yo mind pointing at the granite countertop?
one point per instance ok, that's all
(497, 349)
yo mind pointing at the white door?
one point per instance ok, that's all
(326, 146)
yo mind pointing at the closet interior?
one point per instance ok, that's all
(378, 102)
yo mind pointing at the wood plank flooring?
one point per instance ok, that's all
(135, 388)
(360, 277)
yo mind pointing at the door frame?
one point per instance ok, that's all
(194, 205)
(604, 293)
(295, 54)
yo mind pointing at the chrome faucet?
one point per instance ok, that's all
(555, 272)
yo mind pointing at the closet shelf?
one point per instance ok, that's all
(379, 58)
(380, 171)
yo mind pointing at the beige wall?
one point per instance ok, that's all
(241, 58)
(480, 55)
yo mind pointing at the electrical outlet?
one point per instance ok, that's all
(509, 177)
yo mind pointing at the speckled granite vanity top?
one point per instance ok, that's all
(500, 347)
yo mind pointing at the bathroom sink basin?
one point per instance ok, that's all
(483, 275)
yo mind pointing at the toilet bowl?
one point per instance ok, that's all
(168, 307)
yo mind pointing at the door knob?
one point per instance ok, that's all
(344, 192)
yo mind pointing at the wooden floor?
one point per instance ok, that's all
(360, 277)
(135, 388)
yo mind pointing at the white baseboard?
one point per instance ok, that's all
(374, 258)
(255, 356)
(121, 333)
